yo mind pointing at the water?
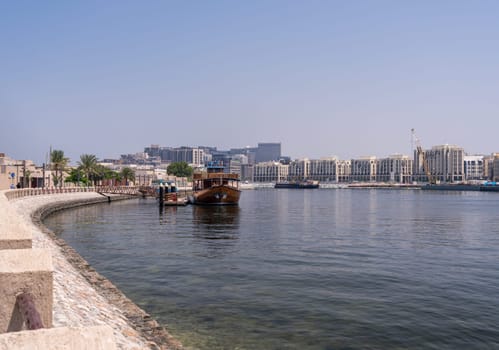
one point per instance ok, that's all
(309, 269)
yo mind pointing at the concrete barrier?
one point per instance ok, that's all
(64, 338)
(14, 233)
(25, 270)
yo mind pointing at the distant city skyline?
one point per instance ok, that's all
(324, 78)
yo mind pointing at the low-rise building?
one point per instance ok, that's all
(22, 174)
(474, 168)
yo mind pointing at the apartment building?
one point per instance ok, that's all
(324, 169)
(191, 155)
(364, 169)
(270, 172)
(396, 168)
(299, 169)
(474, 168)
(495, 167)
(446, 163)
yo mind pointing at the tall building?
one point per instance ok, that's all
(446, 163)
(191, 155)
(152, 151)
(249, 152)
(495, 167)
(266, 152)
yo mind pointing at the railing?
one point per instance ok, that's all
(25, 192)
(129, 190)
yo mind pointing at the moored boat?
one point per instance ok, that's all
(297, 184)
(215, 187)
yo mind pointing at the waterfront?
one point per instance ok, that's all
(312, 269)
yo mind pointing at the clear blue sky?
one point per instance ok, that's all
(345, 78)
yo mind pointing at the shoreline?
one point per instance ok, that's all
(82, 295)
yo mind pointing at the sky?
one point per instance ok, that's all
(324, 78)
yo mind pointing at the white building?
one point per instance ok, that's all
(364, 169)
(299, 169)
(270, 172)
(344, 171)
(474, 168)
(396, 168)
(324, 169)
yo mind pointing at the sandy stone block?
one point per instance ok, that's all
(95, 338)
(25, 270)
(14, 233)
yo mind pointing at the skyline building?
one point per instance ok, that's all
(268, 151)
(474, 167)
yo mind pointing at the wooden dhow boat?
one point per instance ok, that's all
(215, 187)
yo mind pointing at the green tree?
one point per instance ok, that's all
(101, 173)
(27, 179)
(76, 176)
(127, 174)
(88, 165)
(58, 163)
(179, 169)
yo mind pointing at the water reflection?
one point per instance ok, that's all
(216, 222)
(215, 230)
(168, 215)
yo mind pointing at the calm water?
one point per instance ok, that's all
(312, 269)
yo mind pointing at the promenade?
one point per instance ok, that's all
(82, 297)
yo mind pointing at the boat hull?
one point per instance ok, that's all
(451, 187)
(296, 185)
(216, 195)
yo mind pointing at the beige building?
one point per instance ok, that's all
(495, 167)
(270, 172)
(21, 173)
(364, 169)
(299, 169)
(396, 169)
(344, 171)
(445, 163)
(324, 169)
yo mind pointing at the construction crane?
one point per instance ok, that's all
(421, 155)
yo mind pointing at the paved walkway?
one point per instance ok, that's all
(76, 301)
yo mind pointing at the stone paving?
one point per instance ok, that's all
(78, 302)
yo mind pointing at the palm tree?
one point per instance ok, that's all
(104, 173)
(88, 165)
(58, 164)
(127, 174)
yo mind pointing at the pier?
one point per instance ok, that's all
(45, 283)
